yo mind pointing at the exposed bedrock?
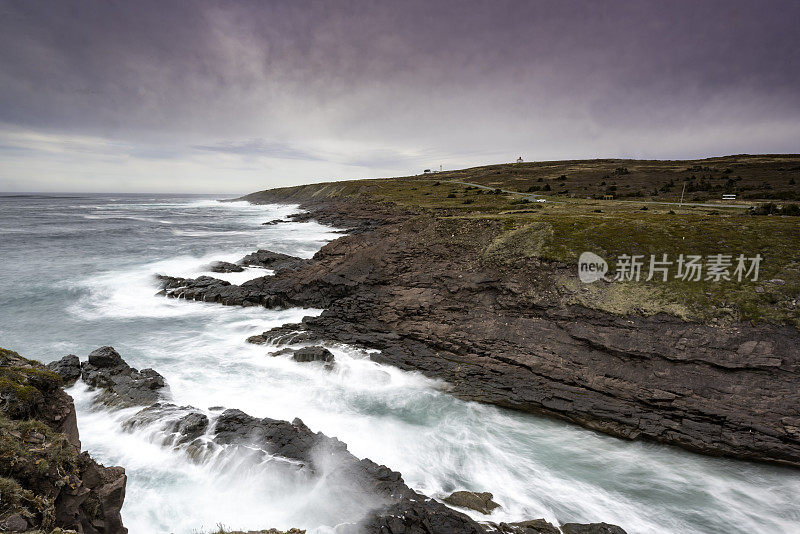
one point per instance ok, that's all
(422, 291)
(480, 502)
(120, 384)
(373, 492)
(272, 260)
(45, 480)
(225, 267)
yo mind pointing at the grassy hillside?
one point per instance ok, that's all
(570, 223)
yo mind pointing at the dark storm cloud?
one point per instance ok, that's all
(383, 85)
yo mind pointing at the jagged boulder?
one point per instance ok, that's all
(591, 528)
(185, 421)
(69, 367)
(313, 354)
(121, 384)
(272, 260)
(225, 267)
(418, 515)
(273, 222)
(480, 502)
(533, 526)
(285, 334)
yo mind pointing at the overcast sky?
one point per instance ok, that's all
(235, 96)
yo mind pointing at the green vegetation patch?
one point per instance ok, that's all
(23, 383)
(32, 459)
(525, 242)
(559, 230)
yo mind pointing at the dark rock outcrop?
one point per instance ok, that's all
(121, 384)
(591, 528)
(534, 526)
(480, 502)
(285, 335)
(69, 367)
(309, 354)
(273, 222)
(373, 492)
(272, 260)
(423, 291)
(46, 481)
(419, 515)
(402, 510)
(225, 267)
(208, 289)
(185, 423)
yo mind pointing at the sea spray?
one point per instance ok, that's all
(77, 283)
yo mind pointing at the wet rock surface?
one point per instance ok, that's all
(421, 290)
(285, 335)
(312, 452)
(208, 289)
(480, 502)
(121, 384)
(308, 354)
(273, 222)
(591, 528)
(68, 367)
(373, 492)
(46, 481)
(534, 526)
(225, 267)
(272, 260)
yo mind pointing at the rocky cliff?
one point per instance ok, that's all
(45, 480)
(447, 297)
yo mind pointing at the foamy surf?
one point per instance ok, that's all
(80, 284)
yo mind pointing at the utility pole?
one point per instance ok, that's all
(684, 190)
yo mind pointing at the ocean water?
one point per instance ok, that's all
(76, 273)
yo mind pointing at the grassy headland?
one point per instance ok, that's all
(642, 218)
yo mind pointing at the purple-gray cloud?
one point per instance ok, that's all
(284, 92)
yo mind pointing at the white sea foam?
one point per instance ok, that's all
(535, 467)
(233, 487)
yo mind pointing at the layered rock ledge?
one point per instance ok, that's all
(440, 296)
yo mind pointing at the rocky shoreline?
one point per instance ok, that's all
(46, 482)
(374, 493)
(433, 295)
(438, 296)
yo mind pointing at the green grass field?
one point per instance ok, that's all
(559, 229)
